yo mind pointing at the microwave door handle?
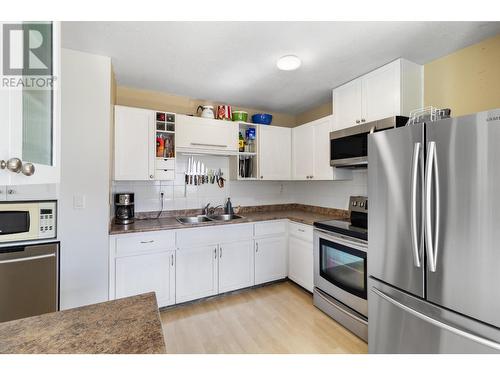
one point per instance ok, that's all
(430, 172)
(414, 176)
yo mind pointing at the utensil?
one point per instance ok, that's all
(262, 118)
(186, 178)
(207, 111)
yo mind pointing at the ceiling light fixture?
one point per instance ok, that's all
(288, 62)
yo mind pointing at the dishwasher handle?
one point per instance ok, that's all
(16, 260)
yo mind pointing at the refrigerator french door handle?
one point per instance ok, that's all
(414, 176)
(481, 340)
(431, 175)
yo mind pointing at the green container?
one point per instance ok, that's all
(241, 116)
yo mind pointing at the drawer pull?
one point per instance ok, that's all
(151, 241)
(301, 230)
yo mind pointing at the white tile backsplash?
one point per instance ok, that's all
(178, 196)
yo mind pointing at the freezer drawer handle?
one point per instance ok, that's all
(414, 235)
(428, 319)
(431, 175)
(28, 258)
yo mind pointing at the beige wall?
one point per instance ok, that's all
(467, 80)
(315, 113)
(182, 104)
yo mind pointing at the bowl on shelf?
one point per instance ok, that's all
(262, 118)
(240, 116)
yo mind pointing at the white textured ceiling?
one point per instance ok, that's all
(235, 62)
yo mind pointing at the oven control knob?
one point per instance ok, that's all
(361, 204)
(354, 203)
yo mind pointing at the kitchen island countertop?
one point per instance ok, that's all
(125, 326)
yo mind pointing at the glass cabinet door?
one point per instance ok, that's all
(34, 111)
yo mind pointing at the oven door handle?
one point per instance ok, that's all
(341, 240)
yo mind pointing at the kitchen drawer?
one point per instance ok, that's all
(144, 242)
(213, 235)
(162, 163)
(164, 174)
(270, 227)
(302, 231)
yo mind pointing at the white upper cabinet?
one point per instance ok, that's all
(30, 116)
(322, 169)
(393, 89)
(134, 146)
(381, 93)
(347, 104)
(311, 152)
(206, 135)
(275, 152)
(303, 152)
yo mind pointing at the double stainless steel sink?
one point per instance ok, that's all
(204, 218)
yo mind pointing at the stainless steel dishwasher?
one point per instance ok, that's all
(29, 280)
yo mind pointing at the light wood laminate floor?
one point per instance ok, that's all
(277, 318)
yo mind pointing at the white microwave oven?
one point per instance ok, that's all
(27, 221)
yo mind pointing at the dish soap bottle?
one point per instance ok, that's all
(228, 209)
(241, 143)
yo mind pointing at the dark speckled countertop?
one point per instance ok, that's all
(124, 326)
(295, 212)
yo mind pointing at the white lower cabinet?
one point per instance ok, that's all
(270, 259)
(300, 255)
(236, 265)
(196, 272)
(144, 273)
(300, 262)
(207, 260)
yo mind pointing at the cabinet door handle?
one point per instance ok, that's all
(357, 121)
(11, 191)
(151, 241)
(301, 230)
(256, 247)
(215, 253)
(220, 252)
(151, 176)
(172, 256)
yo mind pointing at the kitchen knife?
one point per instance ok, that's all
(187, 170)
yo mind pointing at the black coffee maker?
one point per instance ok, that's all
(124, 208)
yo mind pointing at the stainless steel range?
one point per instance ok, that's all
(340, 268)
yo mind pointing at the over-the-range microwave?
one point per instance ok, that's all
(349, 146)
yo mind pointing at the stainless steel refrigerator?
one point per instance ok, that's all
(433, 237)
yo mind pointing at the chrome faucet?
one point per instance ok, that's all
(207, 210)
